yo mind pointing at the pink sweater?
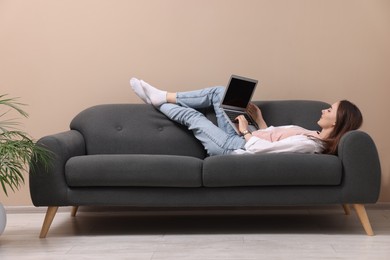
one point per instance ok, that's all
(281, 139)
(278, 133)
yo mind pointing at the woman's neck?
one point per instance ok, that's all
(324, 134)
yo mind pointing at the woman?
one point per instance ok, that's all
(181, 107)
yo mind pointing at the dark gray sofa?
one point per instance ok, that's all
(132, 155)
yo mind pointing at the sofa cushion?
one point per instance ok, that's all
(133, 170)
(271, 170)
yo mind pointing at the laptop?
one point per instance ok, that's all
(237, 95)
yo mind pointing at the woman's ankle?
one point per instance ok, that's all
(171, 97)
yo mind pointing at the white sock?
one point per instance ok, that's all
(156, 96)
(138, 89)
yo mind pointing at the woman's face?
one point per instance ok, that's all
(328, 117)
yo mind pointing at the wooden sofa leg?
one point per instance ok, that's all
(362, 214)
(346, 209)
(74, 211)
(50, 214)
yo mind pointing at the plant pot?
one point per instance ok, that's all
(3, 218)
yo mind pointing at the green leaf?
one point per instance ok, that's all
(17, 150)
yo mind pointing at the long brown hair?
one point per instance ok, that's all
(348, 118)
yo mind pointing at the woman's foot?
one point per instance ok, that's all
(138, 89)
(156, 96)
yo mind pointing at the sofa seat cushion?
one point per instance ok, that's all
(133, 170)
(271, 170)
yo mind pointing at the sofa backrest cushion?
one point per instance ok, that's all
(134, 129)
(304, 113)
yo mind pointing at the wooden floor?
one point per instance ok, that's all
(264, 233)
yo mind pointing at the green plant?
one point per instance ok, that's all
(17, 149)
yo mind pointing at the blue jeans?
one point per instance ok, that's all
(217, 140)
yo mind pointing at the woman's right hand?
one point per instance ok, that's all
(242, 123)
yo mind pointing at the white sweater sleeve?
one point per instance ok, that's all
(296, 143)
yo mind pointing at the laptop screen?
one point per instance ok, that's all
(239, 92)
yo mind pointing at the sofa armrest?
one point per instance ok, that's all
(48, 186)
(361, 168)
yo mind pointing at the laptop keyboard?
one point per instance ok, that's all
(233, 114)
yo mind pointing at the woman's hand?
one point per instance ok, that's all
(255, 112)
(242, 123)
(243, 127)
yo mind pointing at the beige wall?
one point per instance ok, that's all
(63, 56)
